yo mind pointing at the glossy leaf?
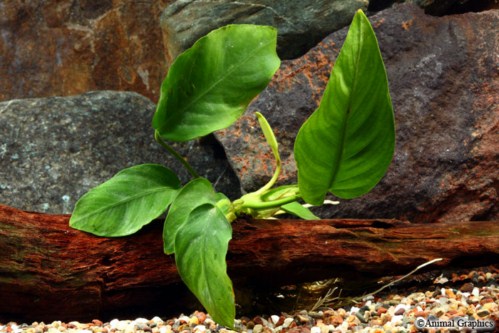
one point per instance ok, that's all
(347, 144)
(209, 86)
(196, 193)
(299, 210)
(200, 249)
(128, 201)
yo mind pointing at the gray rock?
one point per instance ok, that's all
(443, 81)
(53, 150)
(301, 24)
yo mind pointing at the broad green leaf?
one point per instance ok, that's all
(196, 193)
(347, 144)
(200, 249)
(299, 210)
(209, 86)
(125, 203)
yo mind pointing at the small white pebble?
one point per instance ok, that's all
(441, 280)
(443, 300)
(123, 325)
(401, 306)
(157, 320)
(15, 328)
(275, 319)
(184, 319)
(315, 329)
(396, 320)
(141, 321)
(165, 329)
(287, 322)
(476, 292)
(113, 323)
(130, 328)
(199, 328)
(354, 310)
(53, 330)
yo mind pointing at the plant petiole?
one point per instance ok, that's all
(260, 205)
(172, 151)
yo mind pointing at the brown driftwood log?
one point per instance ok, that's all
(50, 271)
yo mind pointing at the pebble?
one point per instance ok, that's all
(394, 313)
(287, 322)
(258, 328)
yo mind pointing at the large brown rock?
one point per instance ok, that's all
(443, 79)
(51, 48)
(54, 48)
(440, 7)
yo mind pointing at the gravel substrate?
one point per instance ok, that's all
(474, 302)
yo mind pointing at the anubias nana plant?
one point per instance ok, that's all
(344, 148)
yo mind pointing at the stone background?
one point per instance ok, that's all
(441, 59)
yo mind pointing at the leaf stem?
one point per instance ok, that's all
(172, 151)
(259, 205)
(272, 142)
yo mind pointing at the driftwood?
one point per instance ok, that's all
(50, 271)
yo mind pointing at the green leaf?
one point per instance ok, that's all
(209, 86)
(125, 203)
(269, 136)
(196, 193)
(272, 142)
(299, 210)
(347, 144)
(280, 192)
(200, 249)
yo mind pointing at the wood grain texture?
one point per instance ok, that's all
(49, 271)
